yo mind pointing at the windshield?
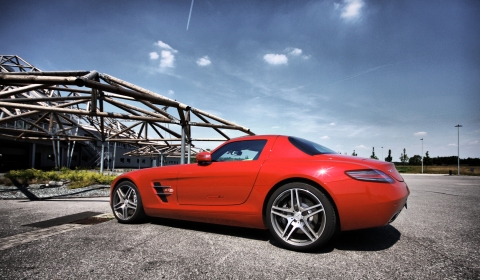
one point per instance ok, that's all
(309, 147)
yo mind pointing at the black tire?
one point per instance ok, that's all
(307, 224)
(127, 203)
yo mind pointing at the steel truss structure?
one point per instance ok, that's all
(56, 106)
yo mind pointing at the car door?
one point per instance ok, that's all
(227, 180)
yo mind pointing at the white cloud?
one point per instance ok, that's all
(165, 46)
(361, 147)
(167, 57)
(325, 137)
(351, 9)
(167, 60)
(295, 51)
(454, 145)
(332, 124)
(473, 142)
(276, 59)
(204, 61)
(171, 92)
(154, 55)
(421, 133)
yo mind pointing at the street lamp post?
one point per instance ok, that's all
(422, 155)
(382, 155)
(458, 146)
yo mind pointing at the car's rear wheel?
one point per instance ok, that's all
(300, 217)
(127, 203)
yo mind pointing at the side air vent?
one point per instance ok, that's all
(162, 191)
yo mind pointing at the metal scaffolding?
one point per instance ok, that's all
(57, 106)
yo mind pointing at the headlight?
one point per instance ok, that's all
(370, 175)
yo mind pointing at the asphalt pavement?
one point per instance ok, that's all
(437, 237)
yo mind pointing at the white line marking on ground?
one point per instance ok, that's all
(26, 237)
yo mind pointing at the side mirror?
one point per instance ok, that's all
(204, 158)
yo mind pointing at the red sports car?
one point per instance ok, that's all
(301, 191)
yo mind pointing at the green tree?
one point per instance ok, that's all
(373, 156)
(354, 154)
(415, 160)
(427, 160)
(389, 158)
(403, 156)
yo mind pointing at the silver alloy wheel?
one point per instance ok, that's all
(298, 217)
(125, 202)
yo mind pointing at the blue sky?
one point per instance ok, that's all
(348, 74)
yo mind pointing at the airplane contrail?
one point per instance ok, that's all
(190, 14)
(364, 72)
(373, 69)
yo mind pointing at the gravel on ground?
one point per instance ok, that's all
(42, 191)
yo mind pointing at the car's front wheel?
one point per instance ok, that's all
(300, 217)
(127, 203)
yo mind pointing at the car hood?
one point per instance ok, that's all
(386, 167)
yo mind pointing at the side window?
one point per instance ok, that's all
(240, 151)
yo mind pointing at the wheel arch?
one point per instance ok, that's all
(124, 180)
(305, 181)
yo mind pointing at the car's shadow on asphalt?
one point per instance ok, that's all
(375, 239)
(250, 233)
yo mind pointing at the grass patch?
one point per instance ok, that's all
(440, 169)
(75, 178)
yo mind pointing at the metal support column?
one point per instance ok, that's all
(114, 155)
(68, 155)
(33, 154)
(54, 152)
(73, 147)
(182, 150)
(102, 157)
(58, 153)
(108, 155)
(71, 154)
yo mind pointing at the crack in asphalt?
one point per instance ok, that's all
(443, 193)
